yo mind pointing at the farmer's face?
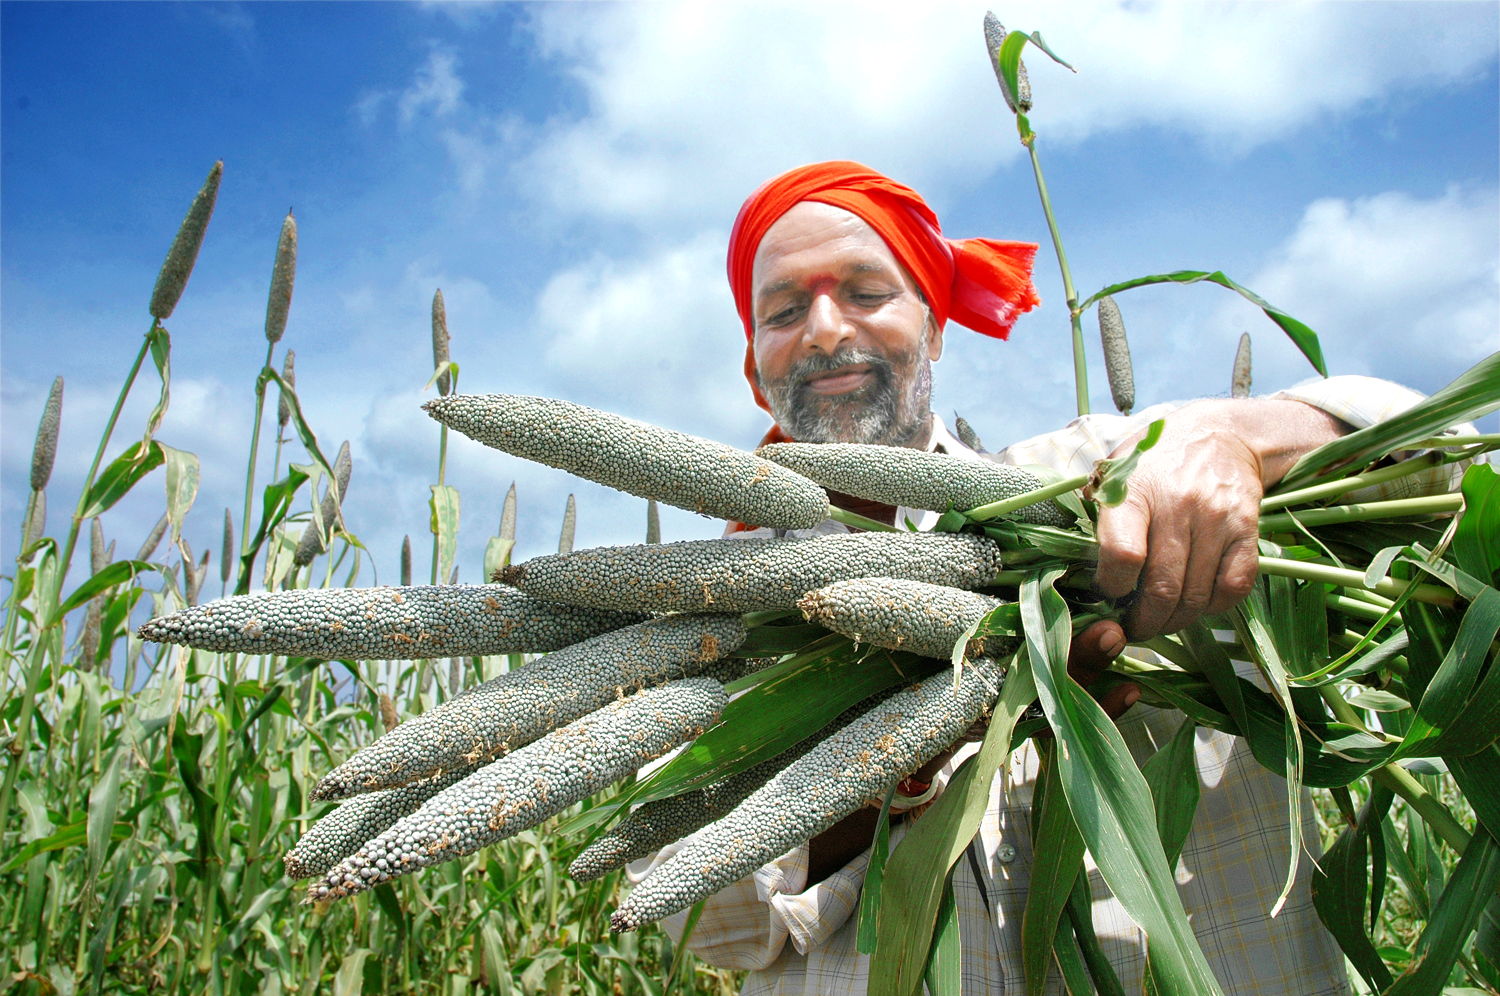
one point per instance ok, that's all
(843, 341)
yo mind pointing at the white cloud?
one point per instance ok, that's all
(666, 322)
(1394, 274)
(1397, 286)
(436, 88)
(435, 91)
(690, 105)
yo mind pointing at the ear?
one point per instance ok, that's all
(934, 339)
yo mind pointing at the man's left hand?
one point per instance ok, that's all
(1185, 537)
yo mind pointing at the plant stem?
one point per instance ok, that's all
(1353, 606)
(109, 428)
(856, 521)
(1456, 442)
(1429, 593)
(1400, 781)
(260, 399)
(1436, 815)
(996, 509)
(437, 523)
(1330, 489)
(1080, 362)
(1396, 508)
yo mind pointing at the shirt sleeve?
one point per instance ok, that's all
(1364, 401)
(747, 924)
(1356, 400)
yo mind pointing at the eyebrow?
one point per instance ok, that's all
(854, 269)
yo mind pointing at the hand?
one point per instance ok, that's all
(1091, 654)
(1185, 538)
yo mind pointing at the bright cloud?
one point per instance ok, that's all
(1395, 273)
(435, 91)
(675, 92)
(667, 319)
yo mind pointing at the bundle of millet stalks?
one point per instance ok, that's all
(638, 644)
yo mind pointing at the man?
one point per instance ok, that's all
(844, 284)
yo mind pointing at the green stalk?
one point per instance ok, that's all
(1487, 440)
(1432, 811)
(442, 470)
(109, 428)
(245, 569)
(1331, 489)
(995, 509)
(1080, 363)
(1429, 593)
(1301, 569)
(1353, 606)
(1400, 781)
(856, 521)
(46, 644)
(1393, 509)
(260, 403)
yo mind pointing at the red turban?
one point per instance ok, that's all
(983, 284)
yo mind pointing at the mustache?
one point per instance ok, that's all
(849, 356)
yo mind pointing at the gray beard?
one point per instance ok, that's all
(893, 409)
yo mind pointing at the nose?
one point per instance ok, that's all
(825, 329)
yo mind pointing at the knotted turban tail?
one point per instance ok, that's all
(992, 284)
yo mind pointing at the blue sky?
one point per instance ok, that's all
(567, 174)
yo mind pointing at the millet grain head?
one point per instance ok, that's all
(920, 618)
(517, 707)
(340, 833)
(902, 476)
(674, 468)
(832, 780)
(386, 623)
(749, 575)
(526, 787)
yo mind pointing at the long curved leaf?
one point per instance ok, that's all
(1100, 778)
(1304, 338)
(122, 474)
(1454, 916)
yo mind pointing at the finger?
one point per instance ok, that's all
(1237, 574)
(1198, 582)
(1162, 581)
(1093, 650)
(1122, 534)
(1119, 698)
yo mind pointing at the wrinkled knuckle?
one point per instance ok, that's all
(1126, 554)
(1234, 588)
(1162, 590)
(1194, 601)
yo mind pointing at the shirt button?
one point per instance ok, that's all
(1006, 853)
